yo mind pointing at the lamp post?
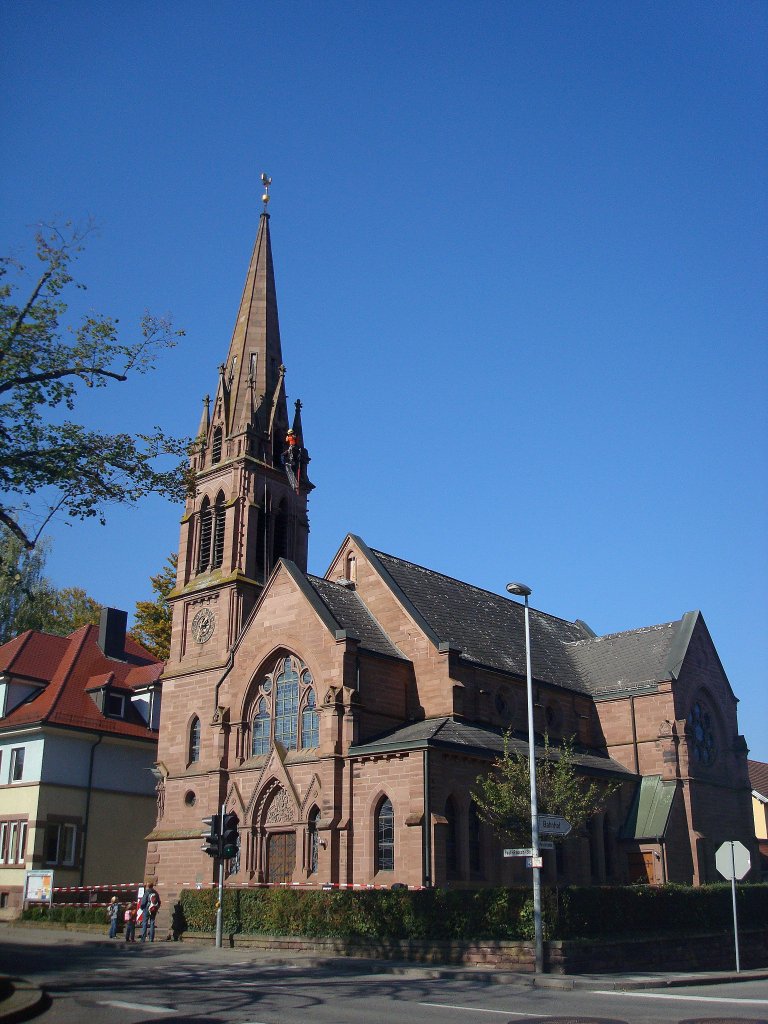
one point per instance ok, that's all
(521, 590)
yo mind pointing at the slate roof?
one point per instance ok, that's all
(488, 629)
(621, 662)
(758, 777)
(68, 667)
(352, 615)
(456, 734)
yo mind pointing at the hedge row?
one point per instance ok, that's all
(568, 913)
(66, 915)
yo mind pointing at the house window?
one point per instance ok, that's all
(218, 531)
(475, 853)
(314, 840)
(114, 705)
(206, 528)
(13, 841)
(61, 844)
(17, 764)
(194, 741)
(261, 730)
(385, 836)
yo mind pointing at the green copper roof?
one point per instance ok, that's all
(649, 814)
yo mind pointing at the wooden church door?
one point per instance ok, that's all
(281, 856)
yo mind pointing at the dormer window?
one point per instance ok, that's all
(114, 705)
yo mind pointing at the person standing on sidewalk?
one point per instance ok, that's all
(113, 915)
(130, 922)
(150, 904)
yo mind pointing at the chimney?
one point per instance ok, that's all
(112, 627)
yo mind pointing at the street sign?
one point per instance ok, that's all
(523, 852)
(534, 862)
(546, 845)
(554, 825)
(732, 859)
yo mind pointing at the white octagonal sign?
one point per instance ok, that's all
(732, 859)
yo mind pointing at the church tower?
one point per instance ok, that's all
(249, 466)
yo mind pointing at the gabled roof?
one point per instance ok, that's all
(353, 617)
(68, 667)
(758, 777)
(486, 628)
(456, 734)
(633, 661)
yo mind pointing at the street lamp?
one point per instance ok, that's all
(521, 590)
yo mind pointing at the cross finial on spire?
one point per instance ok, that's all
(266, 182)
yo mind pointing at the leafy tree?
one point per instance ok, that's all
(503, 797)
(152, 625)
(44, 364)
(28, 600)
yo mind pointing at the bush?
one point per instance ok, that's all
(66, 915)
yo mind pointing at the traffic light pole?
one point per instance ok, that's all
(220, 902)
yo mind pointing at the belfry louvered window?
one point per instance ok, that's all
(218, 531)
(206, 530)
(216, 446)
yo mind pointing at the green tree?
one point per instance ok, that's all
(28, 600)
(503, 797)
(44, 364)
(152, 620)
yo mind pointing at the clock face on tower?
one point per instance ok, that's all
(203, 625)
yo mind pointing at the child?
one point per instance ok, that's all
(113, 915)
(130, 922)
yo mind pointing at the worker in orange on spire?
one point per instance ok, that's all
(291, 439)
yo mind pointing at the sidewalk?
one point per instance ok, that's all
(21, 1000)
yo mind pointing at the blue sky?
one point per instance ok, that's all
(521, 266)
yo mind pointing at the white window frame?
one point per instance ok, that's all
(17, 761)
(4, 831)
(66, 843)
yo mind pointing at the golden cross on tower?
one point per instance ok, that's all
(266, 182)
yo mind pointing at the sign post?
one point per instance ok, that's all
(732, 861)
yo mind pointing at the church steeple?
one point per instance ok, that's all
(249, 508)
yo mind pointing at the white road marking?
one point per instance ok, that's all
(144, 1007)
(480, 1009)
(732, 1000)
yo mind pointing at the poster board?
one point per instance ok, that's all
(38, 887)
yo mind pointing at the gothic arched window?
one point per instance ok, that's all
(473, 830)
(206, 530)
(385, 836)
(194, 741)
(314, 840)
(218, 531)
(261, 734)
(286, 696)
(216, 446)
(451, 840)
(310, 726)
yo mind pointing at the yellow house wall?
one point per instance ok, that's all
(760, 814)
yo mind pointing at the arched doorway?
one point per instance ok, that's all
(281, 856)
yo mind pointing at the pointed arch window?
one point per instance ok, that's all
(206, 531)
(451, 840)
(262, 729)
(287, 696)
(473, 830)
(385, 836)
(218, 531)
(216, 446)
(314, 840)
(194, 741)
(310, 726)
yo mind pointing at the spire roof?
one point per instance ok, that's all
(252, 372)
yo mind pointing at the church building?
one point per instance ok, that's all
(345, 718)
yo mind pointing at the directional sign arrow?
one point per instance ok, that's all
(554, 825)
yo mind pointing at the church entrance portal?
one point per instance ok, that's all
(281, 856)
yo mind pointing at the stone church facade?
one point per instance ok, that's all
(345, 718)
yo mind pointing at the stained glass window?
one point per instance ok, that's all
(385, 837)
(261, 730)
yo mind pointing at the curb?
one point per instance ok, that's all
(20, 999)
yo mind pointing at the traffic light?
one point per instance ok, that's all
(230, 838)
(212, 838)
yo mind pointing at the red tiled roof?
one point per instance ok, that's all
(758, 776)
(70, 666)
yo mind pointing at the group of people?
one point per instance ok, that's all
(141, 914)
